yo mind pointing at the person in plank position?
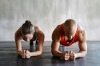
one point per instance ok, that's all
(67, 34)
(30, 33)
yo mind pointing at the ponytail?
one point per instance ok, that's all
(27, 27)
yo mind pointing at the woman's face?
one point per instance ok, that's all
(27, 37)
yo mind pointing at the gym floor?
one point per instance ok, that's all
(8, 56)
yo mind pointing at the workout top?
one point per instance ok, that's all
(69, 42)
(34, 36)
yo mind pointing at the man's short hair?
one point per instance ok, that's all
(70, 22)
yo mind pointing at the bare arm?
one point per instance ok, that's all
(18, 44)
(56, 44)
(82, 44)
(55, 49)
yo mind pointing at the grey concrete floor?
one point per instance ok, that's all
(8, 56)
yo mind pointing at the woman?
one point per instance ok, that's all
(28, 32)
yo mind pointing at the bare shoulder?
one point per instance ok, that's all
(37, 27)
(56, 33)
(39, 31)
(18, 34)
(82, 33)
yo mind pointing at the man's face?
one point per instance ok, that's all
(27, 37)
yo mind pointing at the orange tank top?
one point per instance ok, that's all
(69, 42)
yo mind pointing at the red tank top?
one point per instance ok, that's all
(63, 41)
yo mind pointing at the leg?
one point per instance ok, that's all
(36, 42)
(31, 46)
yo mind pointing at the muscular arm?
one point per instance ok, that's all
(55, 49)
(82, 44)
(56, 43)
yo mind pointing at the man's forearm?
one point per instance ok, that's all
(57, 53)
(81, 54)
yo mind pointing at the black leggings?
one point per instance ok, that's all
(33, 45)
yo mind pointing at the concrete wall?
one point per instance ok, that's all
(48, 14)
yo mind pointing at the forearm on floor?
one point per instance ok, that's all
(81, 54)
(36, 53)
(57, 53)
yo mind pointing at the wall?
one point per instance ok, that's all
(47, 14)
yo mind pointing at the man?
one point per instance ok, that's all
(28, 32)
(67, 34)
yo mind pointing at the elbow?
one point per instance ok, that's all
(84, 53)
(81, 53)
(40, 53)
(53, 52)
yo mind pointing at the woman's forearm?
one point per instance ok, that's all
(36, 53)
